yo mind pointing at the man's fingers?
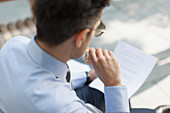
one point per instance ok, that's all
(105, 53)
(99, 53)
(111, 54)
(92, 54)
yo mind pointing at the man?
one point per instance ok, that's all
(34, 72)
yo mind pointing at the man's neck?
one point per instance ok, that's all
(61, 52)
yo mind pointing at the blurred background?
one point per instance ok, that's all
(144, 24)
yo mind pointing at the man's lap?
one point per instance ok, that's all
(92, 96)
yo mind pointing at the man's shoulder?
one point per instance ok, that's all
(18, 42)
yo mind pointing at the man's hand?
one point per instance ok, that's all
(106, 66)
(92, 74)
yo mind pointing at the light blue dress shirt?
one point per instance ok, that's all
(28, 83)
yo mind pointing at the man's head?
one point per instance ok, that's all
(59, 20)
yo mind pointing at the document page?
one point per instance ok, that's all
(135, 67)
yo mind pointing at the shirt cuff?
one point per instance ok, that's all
(116, 99)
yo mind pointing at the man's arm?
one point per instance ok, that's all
(82, 78)
(80, 73)
(108, 70)
(116, 98)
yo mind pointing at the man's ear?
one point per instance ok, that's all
(80, 37)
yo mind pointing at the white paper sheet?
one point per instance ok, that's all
(135, 67)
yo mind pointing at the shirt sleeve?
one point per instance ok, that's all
(78, 79)
(78, 73)
(116, 99)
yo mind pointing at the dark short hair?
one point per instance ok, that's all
(58, 20)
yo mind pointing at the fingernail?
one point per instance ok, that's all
(92, 48)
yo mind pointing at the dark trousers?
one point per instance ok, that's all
(92, 96)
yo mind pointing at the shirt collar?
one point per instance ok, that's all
(42, 58)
